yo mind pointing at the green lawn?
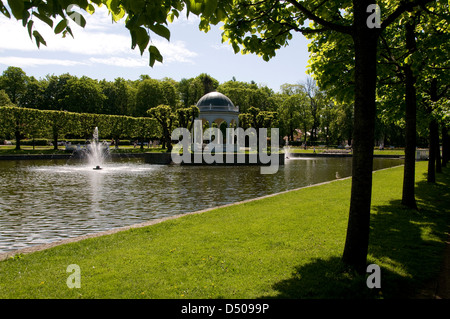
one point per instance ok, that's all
(310, 150)
(285, 246)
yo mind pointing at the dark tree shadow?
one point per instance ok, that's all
(397, 239)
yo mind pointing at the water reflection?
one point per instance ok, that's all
(44, 201)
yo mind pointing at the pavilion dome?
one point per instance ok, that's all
(215, 101)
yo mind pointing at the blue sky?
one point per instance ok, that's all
(102, 50)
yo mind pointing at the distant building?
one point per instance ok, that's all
(217, 108)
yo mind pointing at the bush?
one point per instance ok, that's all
(35, 142)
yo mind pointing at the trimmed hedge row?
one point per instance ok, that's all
(48, 126)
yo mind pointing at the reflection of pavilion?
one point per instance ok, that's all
(217, 108)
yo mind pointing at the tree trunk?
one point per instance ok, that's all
(431, 178)
(433, 134)
(18, 137)
(55, 140)
(365, 44)
(445, 146)
(438, 150)
(408, 198)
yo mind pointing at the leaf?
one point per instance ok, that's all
(30, 28)
(142, 39)
(67, 30)
(194, 7)
(17, 8)
(25, 17)
(90, 9)
(161, 31)
(155, 55)
(44, 18)
(4, 10)
(61, 26)
(210, 7)
(38, 38)
(235, 47)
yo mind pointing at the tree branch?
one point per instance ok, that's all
(403, 7)
(326, 24)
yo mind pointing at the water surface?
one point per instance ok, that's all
(47, 200)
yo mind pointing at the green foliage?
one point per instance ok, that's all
(32, 123)
(191, 90)
(246, 95)
(257, 118)
(166, 118)
(149, 94)
(186, 116)
(14, 81)
(4, 99)
(85, 95)
(120, 97)
(294, 113)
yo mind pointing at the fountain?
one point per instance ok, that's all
(286, 149)
(96, 151)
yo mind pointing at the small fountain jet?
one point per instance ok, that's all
(95, 154)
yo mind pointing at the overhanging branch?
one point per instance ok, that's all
(326, 24)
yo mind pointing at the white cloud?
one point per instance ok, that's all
(121, 62)
(175, 51)
(32, 62)
(101, 41)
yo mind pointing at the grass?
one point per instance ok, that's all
(28, 149)
(310, 150)
(286, 246)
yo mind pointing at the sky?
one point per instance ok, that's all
(102, 50)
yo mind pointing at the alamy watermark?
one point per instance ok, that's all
(74, 279)
(374, 19)
(241, 147)
(374, 279)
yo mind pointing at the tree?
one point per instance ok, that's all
(209, 83)
(149, 94)
(119, 97)
(186, 116)
(21, 122)
(290, 112)
(33, 97)
(116, 126)
(264, 26)
(14, 82)
(56, 91)
(83, 95)
(315, 103)
(191, 90)
(144, 129)
(170, 93)
(166, 118)
(58, 123)
(183, 88)
(4, 99)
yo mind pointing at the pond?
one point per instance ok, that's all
(43, 201)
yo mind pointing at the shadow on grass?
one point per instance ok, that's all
(407, 244)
